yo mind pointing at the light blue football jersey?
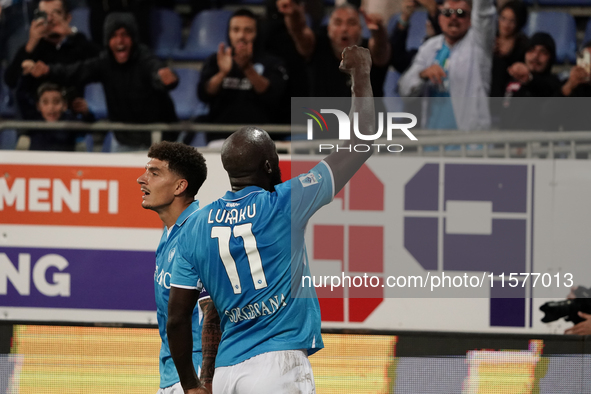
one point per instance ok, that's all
(164, 262)
(245, 247)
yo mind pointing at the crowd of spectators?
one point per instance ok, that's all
(474, 50)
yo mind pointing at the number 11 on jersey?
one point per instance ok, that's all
(243, 231)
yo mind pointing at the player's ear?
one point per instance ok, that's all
(268, 167)
(181, 186)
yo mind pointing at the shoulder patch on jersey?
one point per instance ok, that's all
(171, 254)
(309, 179)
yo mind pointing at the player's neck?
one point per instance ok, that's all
(244, 182)
(171, 213)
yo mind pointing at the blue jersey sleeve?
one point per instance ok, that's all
(307, 193)
(184, 273)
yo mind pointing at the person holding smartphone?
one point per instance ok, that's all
(578, 84)
(51, 40)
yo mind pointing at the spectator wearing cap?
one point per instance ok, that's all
(51, 40)
(531, 79)
(456, 67)
(136, 83)
(510, 44)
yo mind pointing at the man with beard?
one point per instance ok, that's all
(174, 174)
(241, 83)
(527, 104)
(455, 67)
(51, 40)
(322, 49)
(248, 250)
(136, 83)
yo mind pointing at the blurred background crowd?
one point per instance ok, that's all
(241, 61)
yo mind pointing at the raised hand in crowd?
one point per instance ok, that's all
(520, 72)
(288, 7)
(80, 106)
(167, 76)
(430, 6)
(224, 58)
(37, 32)
(578, 75)
(378, 44)
(433, 73)
(374, 22)
(35, 69)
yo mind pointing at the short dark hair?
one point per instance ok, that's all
(245, 12)
(520, 11)
(67, 7)
(183, 160)
(50, 87)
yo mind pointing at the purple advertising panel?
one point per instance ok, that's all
(77, 278)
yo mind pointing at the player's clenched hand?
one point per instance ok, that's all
(355, 58)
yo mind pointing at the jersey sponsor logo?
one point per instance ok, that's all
(308, 179)
(162, 278)
(256, 309)
(232, 204)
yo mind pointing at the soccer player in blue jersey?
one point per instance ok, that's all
(173, 176)
(247, 246)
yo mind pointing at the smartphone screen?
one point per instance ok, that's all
(584, 60)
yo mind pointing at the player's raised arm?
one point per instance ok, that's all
(344, 164)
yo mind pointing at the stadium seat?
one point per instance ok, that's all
(95, 97)
(587, 32)
(417, 30)
(561, 26)
(80, 19)
(208, 29)
(185, 99)
(166, 32)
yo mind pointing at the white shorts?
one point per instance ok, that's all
(286, 371)
(174, 389)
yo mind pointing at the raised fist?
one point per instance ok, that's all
(355, 58)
